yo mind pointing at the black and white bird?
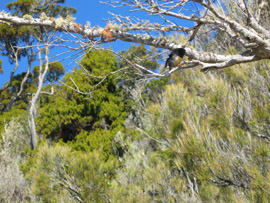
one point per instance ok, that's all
(175, 58)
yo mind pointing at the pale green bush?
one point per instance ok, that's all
(15, 139)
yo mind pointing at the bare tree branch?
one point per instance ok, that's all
(11, 77)
(243, 27)
(43, 69)
(205, 59)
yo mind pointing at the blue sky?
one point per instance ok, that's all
(87, 10)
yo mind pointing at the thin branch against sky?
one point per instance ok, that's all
(87, 11)
(97, 14)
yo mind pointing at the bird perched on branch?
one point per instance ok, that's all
(175, 58)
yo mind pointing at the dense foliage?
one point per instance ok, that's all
(204, 139)
(190, 137)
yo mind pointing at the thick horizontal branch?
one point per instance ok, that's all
(207, 60)
(232, 60)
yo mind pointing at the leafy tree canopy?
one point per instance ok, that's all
(91, 121)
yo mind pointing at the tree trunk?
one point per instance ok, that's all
(42, 73)
(32, 125)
